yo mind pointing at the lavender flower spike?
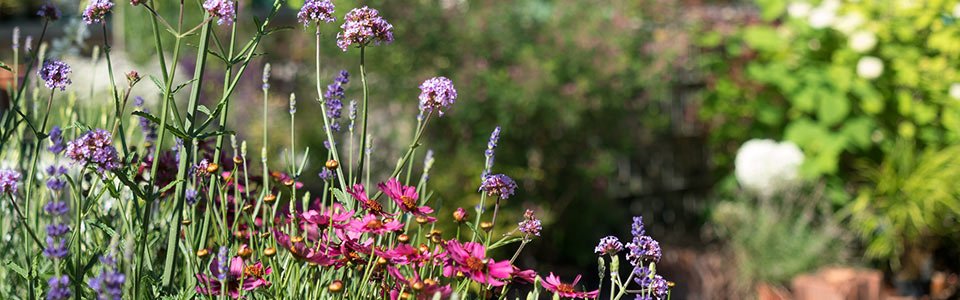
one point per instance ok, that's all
(59, 288)
(96, 11)
(437, 93)
(55, 74)
(316, 11)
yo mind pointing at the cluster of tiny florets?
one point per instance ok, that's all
(94, 147)
(437, 93)
(316, 11)
(362, 26)
(55, 73)
(96, 11)
(222, 9)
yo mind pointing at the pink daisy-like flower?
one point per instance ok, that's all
(372, 206)
(567, 290)
(252, 278)
(406, 198)
(336, 216)
(318, 255)
(372, 224)
(469, 258)
(428, 289)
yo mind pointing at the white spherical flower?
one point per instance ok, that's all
(821, 17)
(766, 167)
(955, 91)
(869, 67)
(862, 41)
(849, 22)
(799, 9)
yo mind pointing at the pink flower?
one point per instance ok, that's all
(404, 254)
(554, 284)
(372, 206)
(524, 276)
(336, 216)
(252, 278)
(406, 198)
(429, 287)
(469, 258)
(320, 255)
(372, 224)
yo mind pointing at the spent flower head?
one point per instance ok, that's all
(96, 11)
(362, 26)
(316, 11)
(437, 93)
(55, 73)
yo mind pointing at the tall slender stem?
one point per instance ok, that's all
(323, 112)
(363, 125)
(36, 150)
(113, 85)
(23, 221)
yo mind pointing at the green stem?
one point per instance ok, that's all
(410, 150)
(363, 125)
(36, 150)
(23, 221)
(323, 111)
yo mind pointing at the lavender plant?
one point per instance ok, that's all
(185, 221)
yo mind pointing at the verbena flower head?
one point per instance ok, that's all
(498, 184)
(191, 195)
(56, 141)
(8, 181)
(655, 283)
(94, 147)
(437, 93)
(362, 26)
(316, 11)
(137, 2)
(55, 73)
(59, 288)
(609, 245)
(222, 9)
(49, 11)
(470, 259)
(643, 248)
(530, 224)
(567, 290)
(96, 11)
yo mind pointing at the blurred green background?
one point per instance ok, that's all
(614, 108)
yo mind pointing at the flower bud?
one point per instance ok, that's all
(403, 238)
(332, 164)
(269, 251)
(460, 215)
(269, 198)
(486, 226)
(288, 182)
(202, 253)
(212, 167)
(422, 220)
(335, 286)
(244, 251)
(186, 222)
(237, 160)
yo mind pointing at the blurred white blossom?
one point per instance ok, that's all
(869, 67)
(955, 91)
(766, 167)
(824, 15)
(849, 22)
(956, 11)
(800, 9)
(862, 41)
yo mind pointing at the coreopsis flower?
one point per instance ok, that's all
(8, 181)
(362, 26)
(337, 215)
(404, 254)
(252, 277)
(359, 194)
(530, 225)
(96, 11)
(316, 11)
(59, 288)
(437, 93)
(49, 11)
(766, 167)
(373, 224)
(524, 276)
(498, 184)
(55, 73)
(222, 9)
(470, 259)
(460, 215)
(567, 290)
(95, 148)
(609, 245)
(869, 67)
(406, 198)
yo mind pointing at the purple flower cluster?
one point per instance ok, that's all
(56, 182)
(654, 283)
(191, 196)
(362, 26)
(56, 244)
(94, 147)
(489, 153)
(109, 285)
(96, 11)
(316, 11)
(498, 184)
(427, 165)
(200, 169)
(49, 11)
(609, 245)
(59, 288)
(8, 181)
(327, 175)
(642, 248)
(224, 263)
(147, 127)
(222, 9)
(334, 96)
(437, 93)
(54, 72)
(530, 224)
(56, 141)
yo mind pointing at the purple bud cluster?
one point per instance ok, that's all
(147, 127)
(530, 224)
(8, 181)
(222, 9)
(109, 285)
(96, 11)
(316, 11)
(362, 26)
(353, 113)
(437, 93)
(94, 147)
(55, 74)
(49, 11)
(498, 184)
(334, 96)
(16, 38)
(191, 195)
(59, 288)
(427, 165)
(327, 175)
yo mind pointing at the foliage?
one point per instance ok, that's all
(809, 73)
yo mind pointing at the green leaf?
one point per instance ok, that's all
(833, 109)
(763, 38)
(182, 85)
(342, 196)
(16, 268)
(5, 66)
(157, 83)
(203, 108)
(156, 120)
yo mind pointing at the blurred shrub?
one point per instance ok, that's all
(845, 81)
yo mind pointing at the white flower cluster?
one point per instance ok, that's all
(766, 167)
